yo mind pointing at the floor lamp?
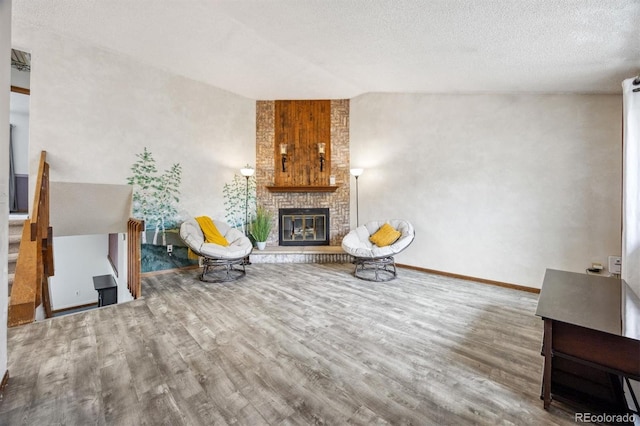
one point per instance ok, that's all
(356, 173)
(247, 172)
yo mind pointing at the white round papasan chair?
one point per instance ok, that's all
(220, 263)
(373, 262)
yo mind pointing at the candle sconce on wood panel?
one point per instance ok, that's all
(283, 154)
(321, 153)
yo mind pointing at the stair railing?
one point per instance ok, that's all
(35, 257)
(135, 227)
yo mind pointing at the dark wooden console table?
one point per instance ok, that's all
(591, 340)
(107, 289)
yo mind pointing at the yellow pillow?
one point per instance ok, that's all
(211, 233)
(385, 235)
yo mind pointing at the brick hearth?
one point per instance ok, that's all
(318, 254)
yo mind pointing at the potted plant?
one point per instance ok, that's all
(261, 227)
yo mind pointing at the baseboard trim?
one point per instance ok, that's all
(167, 271)
(4, 383)
(73, 308)
(474, 279)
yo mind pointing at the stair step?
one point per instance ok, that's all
(15, 226)
(15, 235)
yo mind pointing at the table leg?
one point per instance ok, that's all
(548, 354)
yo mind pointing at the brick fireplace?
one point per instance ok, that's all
(337, 202)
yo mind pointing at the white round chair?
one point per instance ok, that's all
(220, 263)
(373, 262)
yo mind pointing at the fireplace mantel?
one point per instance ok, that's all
(303, 188)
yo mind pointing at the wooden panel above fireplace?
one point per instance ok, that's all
(302, 125)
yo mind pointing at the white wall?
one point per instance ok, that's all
(93, 110)
(20, 78)
(499, 187)
(124, 295)
(88, 208)
(631, 185)
(77, 260)
(5, 79)
(19, 117)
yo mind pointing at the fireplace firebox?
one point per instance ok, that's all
(303, 227)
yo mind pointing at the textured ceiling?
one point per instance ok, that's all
(320, 49)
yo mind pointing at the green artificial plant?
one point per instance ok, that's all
(262, 224)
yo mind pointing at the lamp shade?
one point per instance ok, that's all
(247, 171)
(357, 172)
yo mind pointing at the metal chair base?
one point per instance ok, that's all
(378, 270)
(222, 270)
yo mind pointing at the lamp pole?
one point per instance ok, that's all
(356, 173)
(247, 172)
(246, 208)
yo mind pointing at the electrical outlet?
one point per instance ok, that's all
(596, 268)
(615, 264)
(169, 248)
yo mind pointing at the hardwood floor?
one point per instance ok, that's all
(290, 344)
